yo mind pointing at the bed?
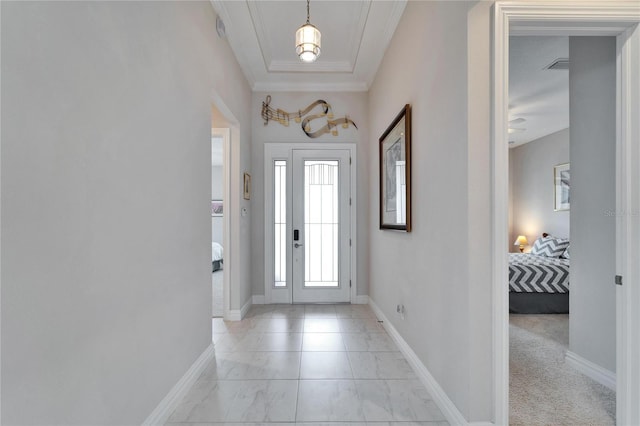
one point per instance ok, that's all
(539, 283)
(216, 256)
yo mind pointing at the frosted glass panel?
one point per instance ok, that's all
(280, 222)
(321, 223)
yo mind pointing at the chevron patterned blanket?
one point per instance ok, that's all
(529, 273)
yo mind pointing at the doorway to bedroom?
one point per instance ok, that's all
(217, 220)
(222, 130)
(562, 168)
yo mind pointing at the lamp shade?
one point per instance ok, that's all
(521, 241)
(308, 43)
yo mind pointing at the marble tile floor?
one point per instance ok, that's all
(314, 365)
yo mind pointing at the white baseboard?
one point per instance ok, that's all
(162, 412)
(245, 308)
(237, 315)
(234, 315)
(448, 408)
(258, 299)
(361, 300)
(589, 369)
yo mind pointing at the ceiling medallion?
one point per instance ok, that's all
(308, 41)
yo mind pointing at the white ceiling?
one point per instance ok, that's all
(355, 35)
(539, 96)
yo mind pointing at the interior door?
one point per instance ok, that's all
(321, 229)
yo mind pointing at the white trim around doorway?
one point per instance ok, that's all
(225, 133)
(232, 185)
(271, 150)
(610, 18)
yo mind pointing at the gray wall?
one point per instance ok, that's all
(592, 79)
(106, 273)
(531, 172)
(441, 270)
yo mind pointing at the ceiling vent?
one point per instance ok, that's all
(558, 64)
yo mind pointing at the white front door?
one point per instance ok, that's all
(321, 228)
(308, 212)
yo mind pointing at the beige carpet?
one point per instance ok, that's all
(543, 389)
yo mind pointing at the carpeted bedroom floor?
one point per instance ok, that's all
(543, 389)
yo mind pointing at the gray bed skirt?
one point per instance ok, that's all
(538, 303)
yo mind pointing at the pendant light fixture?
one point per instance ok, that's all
(308, 41)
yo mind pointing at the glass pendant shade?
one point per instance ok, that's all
(308, 43)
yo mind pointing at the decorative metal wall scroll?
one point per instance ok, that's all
(283, 117)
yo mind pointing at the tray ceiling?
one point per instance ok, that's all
(355, 35)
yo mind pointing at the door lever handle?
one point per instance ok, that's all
(296, 245)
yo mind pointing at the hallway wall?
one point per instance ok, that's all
(532, 191)
(106, 174)
(439, 62)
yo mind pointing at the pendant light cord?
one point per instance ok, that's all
(308, 11)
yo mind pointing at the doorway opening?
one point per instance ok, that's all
(618, 19)
(561, 171)
(222, 131)
(219, 139)
(310, 213)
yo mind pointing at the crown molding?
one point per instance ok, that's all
(366, 41)
(299, 66)
(388, 31)
(265, 86)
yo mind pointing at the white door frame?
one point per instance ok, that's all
(610, 18)
(232, 185)
(271, 150)
(225, 133)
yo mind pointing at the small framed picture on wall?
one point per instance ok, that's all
(217, 208)
(247, 186)
(562, 186)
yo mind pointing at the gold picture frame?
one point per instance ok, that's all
(395, 173)
(246, 193)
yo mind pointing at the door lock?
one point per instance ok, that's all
(296, 245)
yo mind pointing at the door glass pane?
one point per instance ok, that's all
(280, 222)
(321, 223)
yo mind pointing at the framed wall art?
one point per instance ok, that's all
(561, 187)
(395, 173)
(217, 208)
(246, 192)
